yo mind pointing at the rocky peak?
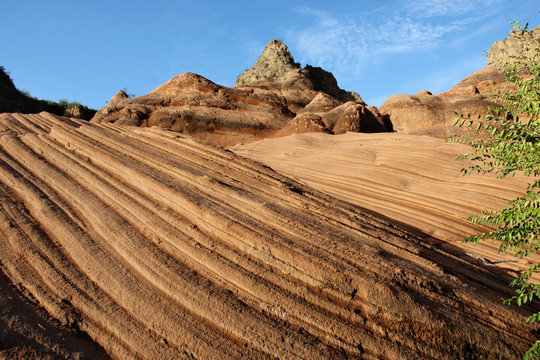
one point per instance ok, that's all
(504, 49)
(118, 97)
(184, 81)
(275, 95)
(276, 66)
(273, 64)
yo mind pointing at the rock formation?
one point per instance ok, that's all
(433, 115)
(274, 64)
(267, 97)
(162, 247)
(426, 114)
(504, 50)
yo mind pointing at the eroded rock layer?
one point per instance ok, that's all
(161, 247)
(415, 180)
(274, 97)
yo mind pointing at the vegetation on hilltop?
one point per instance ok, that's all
(13, 100)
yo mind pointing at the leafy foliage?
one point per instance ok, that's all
(508, 141)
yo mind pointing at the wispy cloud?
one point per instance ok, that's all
(429, 8)
(350, 43)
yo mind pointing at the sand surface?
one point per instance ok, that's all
(161, 247)
(413, 179)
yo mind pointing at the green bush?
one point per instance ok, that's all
(510, 144)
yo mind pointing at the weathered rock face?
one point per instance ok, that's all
(274, 63)
(267, 97)
(504, 50)
(79, 112)
(426, 114)
(433, 115)
(189, 102)
(325, 82)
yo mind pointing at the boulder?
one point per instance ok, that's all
(304, 123)
(321, 103)
(354, 117)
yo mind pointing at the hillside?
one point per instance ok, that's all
(414, 180)
(160, 246)
(275, 97)
(14, 101)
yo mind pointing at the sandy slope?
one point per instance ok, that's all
(161, 247)
(413, 179)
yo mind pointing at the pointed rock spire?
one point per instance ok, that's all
(273, 64)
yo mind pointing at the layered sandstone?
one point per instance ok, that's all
(274, 97)
(414, 180)
(162, 247)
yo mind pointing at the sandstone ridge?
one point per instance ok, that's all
(433, 115)
(162, 247)
(273, 98)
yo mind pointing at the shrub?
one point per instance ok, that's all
(511, 144)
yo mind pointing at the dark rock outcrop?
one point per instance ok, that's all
(14, 101)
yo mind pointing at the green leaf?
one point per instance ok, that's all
(510, 146)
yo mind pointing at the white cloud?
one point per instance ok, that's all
(428, 8)
(337, 43)
(348, 43)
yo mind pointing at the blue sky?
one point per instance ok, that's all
(88, 50)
